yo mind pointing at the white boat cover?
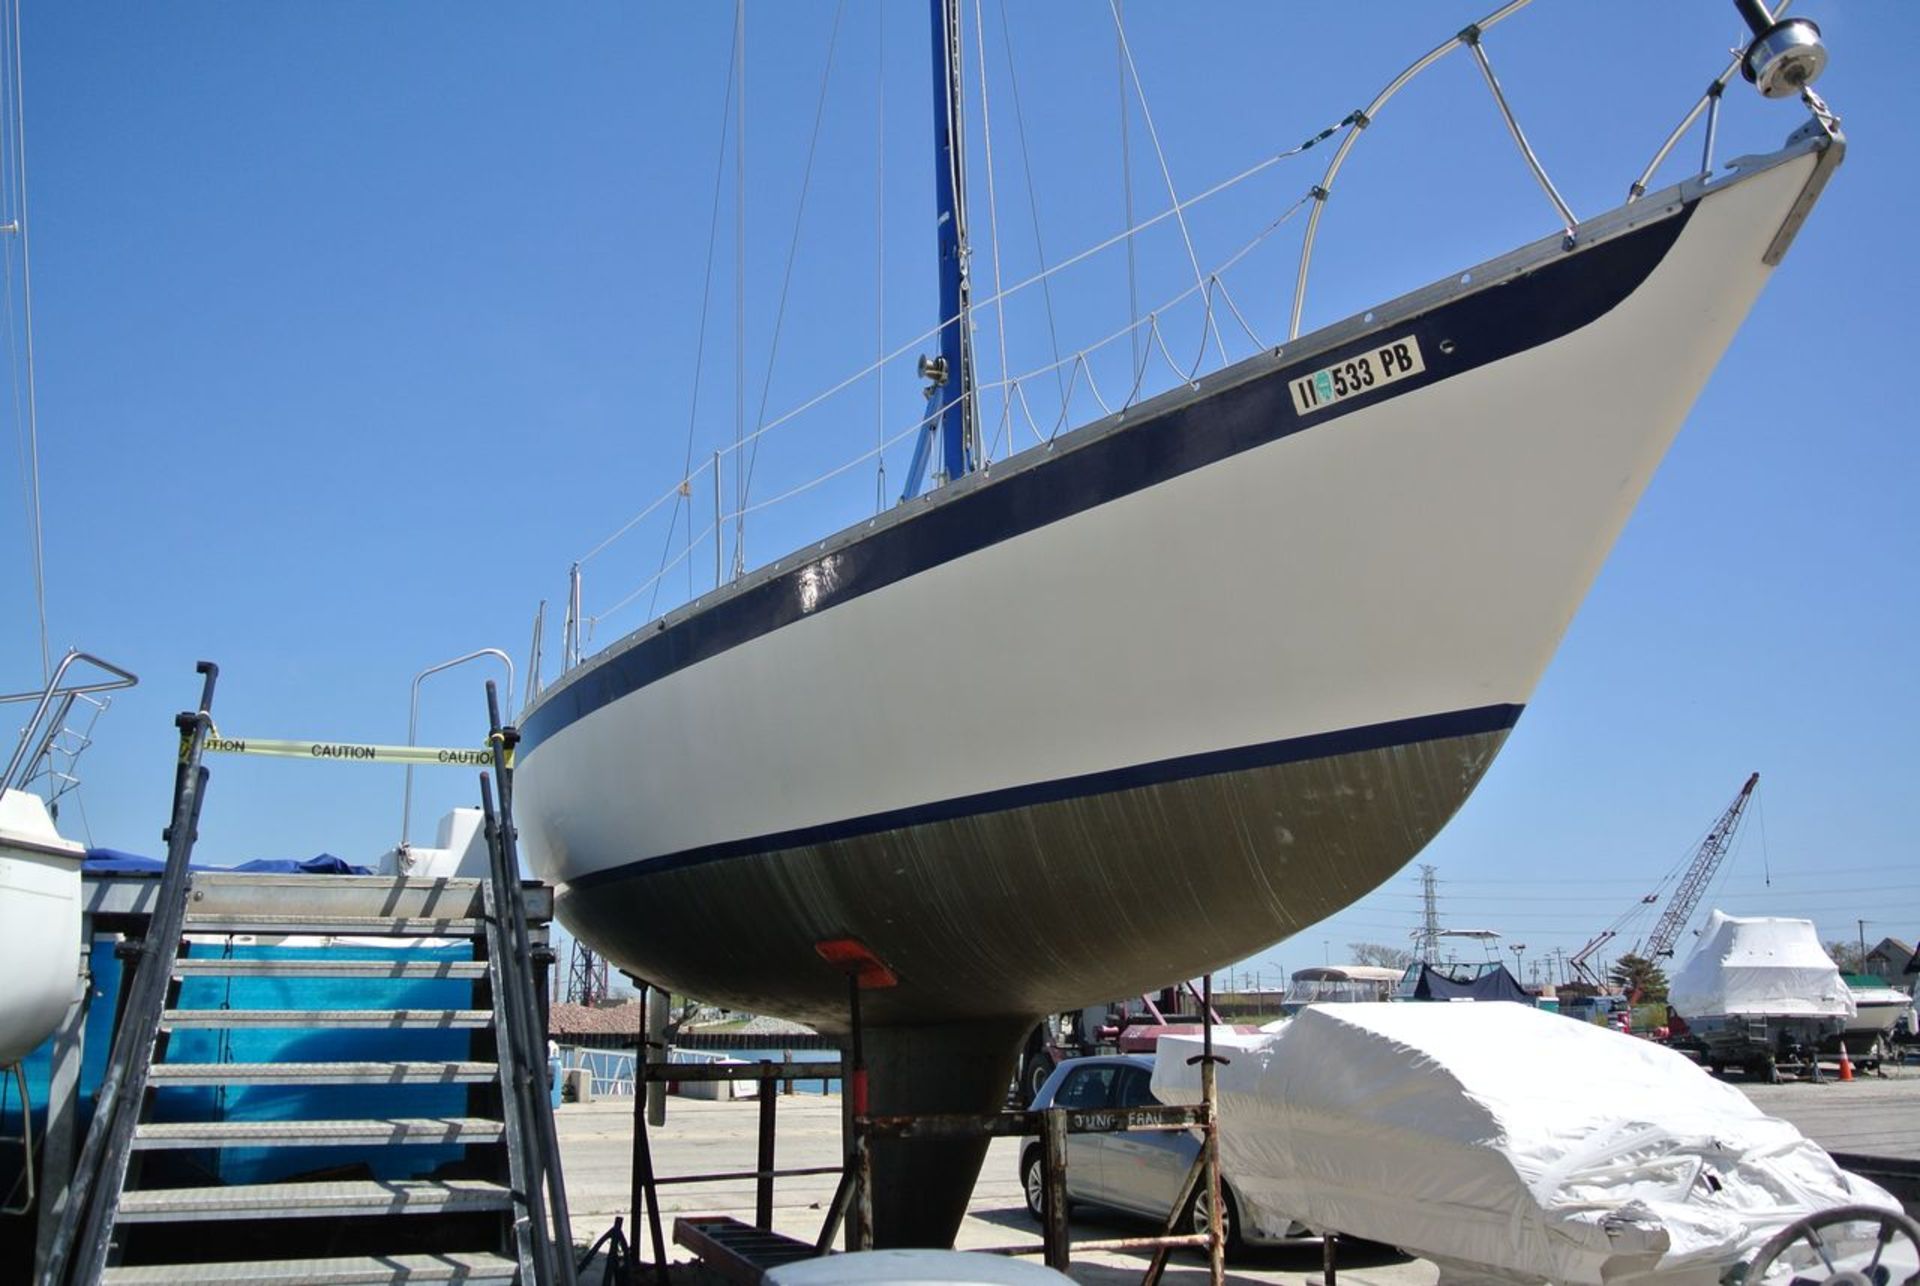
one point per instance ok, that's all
(1505, 1143)
(1760, 966)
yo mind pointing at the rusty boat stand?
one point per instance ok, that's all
(744, 1253)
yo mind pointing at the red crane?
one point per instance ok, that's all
(1693, 885)
(1686, 898)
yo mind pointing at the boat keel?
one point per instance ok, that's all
(921, 1189)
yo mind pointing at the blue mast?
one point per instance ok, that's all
(950, 375)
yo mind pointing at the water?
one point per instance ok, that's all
(613, 1068)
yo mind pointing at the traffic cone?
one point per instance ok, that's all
(1846, 1063)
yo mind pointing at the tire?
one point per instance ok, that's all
(1197, 1221)
(1033, 1074)
(1033, 1184)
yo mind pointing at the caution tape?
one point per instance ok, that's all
(354, 752)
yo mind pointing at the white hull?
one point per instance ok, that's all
(40, 948)
(1877, 1013)
(1406, 561)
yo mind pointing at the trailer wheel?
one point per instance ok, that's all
(1033, 1075)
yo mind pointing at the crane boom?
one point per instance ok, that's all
(1693, 885)
(1578, 960)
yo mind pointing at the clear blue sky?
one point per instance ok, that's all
(357, 323)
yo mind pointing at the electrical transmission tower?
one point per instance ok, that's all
(586, 976)
(1427, 940)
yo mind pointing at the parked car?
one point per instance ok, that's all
(1137, 1172)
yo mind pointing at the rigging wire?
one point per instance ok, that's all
(1766, 858)
(793, 251)
(880, 260)
(993, 232)
(811, 483)
(1146, 115)
(1033, 202)
(15, 107)
(685, 489)
(1126, 173)
(932, 416)
(739, 291)
(1720, 876)
(1038, 278)
(1150, 320)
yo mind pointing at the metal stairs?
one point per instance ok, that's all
(435, 1155)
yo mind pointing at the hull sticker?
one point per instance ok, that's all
(1360, 373)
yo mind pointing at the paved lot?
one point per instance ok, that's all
(707, 1137)
(1875, 1115)
(1871, 1115)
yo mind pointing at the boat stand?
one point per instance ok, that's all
(1052, 1126)
(740, 1252)
(745, 1254)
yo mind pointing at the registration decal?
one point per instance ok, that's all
(1361, 373)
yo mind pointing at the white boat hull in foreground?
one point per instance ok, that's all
(1207, 671)
(1388, 579)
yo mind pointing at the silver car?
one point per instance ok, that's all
(1137, 1172)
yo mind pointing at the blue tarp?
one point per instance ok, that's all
(111, 861)
(1488, 982)
(281, 1102)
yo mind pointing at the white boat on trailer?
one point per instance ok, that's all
(1276, 625)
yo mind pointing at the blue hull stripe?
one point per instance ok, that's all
(1324, 745)
(1457, 336)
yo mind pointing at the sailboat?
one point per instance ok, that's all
(1277, 623)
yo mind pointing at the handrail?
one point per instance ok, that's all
(21, 763)
(510, 945)
(85, 1208)
(413, 723)
(1709, 102)
(1360, 120)
(534, 657)
(1567, 220)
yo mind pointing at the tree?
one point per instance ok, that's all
(1639, 977)
(1846, 957)
(1377, 953)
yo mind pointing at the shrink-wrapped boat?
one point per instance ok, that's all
(1506, 1144)
(1759, 990)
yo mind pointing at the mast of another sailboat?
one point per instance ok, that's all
(952, 372)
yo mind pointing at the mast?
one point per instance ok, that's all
(958, 422)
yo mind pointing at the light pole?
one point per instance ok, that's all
(1516, 948)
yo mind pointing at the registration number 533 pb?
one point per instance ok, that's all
(1363, 372)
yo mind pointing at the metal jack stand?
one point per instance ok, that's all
(619, 1255)
(741, 1253)
(737, 1249)
(1053, 1126)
